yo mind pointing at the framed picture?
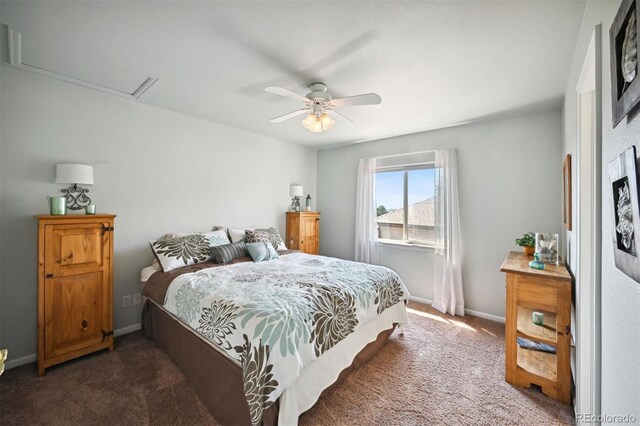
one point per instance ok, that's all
(547, 247)
(625, 84)
(623, 198)
(566, 191)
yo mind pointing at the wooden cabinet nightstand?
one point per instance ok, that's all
(303, 231)
(547, 291)
(75, 287)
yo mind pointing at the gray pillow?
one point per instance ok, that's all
(262, 251)
(228, 252)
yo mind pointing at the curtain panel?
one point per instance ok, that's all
(447, 284)
(366, 226)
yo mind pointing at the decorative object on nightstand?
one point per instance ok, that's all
(527, 242)
(75, 287)
(75, 174)
(535, 263)
(538, 296)
(308, 203)
(295, 192)
(537, 318)
(90, 209)
(547, 248)
(303, 231)
(58, 205)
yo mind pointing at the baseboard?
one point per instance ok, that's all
(28, 359)
(127, 330)
(467, 311)
(485, 315)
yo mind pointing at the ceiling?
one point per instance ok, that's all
(433, 63)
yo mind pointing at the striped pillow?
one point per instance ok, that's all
(228, 252)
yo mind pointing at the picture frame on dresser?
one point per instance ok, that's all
(625, 83)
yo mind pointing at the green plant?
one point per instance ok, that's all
(527, 240)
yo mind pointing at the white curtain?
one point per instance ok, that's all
(447, 287)
(366, 227)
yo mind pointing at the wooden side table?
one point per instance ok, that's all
(547, 291)
(303, 231)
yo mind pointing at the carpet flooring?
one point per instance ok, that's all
(442, 370)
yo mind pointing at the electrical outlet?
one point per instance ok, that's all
(126, 301)
(136, 298)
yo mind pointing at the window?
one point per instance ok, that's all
(404, 196)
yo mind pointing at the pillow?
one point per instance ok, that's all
(276, 239)
(262, 251)
(258, 236)
(237, 234)
(168, 236)
(182, 251)
(228, 252)
(217, 238)
(268, 235)
(223, 228)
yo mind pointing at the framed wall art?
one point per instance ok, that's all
(566, 192)
(623, 199)
(625, 83)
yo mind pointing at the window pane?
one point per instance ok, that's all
(389, 199)
(420, 197)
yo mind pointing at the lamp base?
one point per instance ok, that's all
(77, 198)
(295, 204)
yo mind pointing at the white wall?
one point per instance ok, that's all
(510, 183)
(620, 294)
(157, 170)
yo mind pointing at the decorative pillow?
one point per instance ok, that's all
(223, 228)
(182, 251)
(258, 236)
(262, 251)
(237, 234)
(218, 237)
(168, 236)
(228, 252)
(177, 252)
(276, 239)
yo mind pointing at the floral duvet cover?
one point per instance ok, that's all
(274, 318)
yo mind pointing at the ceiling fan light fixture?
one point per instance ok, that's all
(318, 124)
(309, 121)
(327, 121)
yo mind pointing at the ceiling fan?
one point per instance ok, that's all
(318, 104)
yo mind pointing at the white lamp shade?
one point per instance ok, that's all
(295, 191)
(74, 173)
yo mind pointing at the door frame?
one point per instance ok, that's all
(589, 230)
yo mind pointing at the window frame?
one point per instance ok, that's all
(406, 168)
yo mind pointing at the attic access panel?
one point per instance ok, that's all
(73, 66)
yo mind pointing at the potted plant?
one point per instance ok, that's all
(527, 242)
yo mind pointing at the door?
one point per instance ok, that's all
(310, 229)
(589, 231)
(76, 293)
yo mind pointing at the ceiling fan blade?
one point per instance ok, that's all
(343, 116)
(286, 93)
(366, 99)
(289, 115)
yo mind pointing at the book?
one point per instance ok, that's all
(535, 346)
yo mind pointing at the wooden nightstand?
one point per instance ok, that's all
(75, 287)
(303, 231)
(547, 291)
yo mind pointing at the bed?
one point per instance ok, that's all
(262, 342)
